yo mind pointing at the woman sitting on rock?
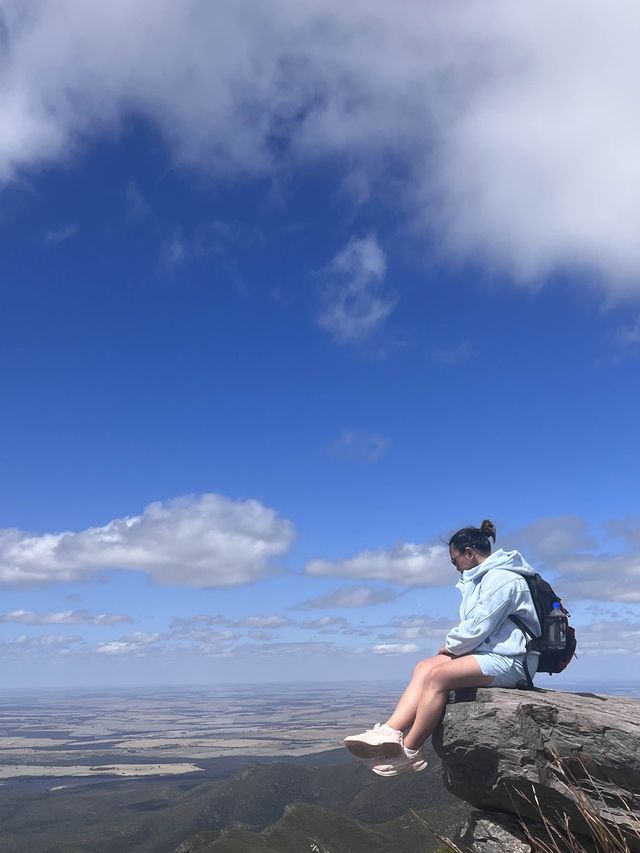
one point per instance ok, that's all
(485, 650)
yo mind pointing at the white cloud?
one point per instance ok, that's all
(406, 563)
(203, 541)
(260, 634)
(603, 577)
(627, 529)
(338, 625)
(136, 643)
(360, 447)
(354, 308)
(67, 617)
(189, 622)
(509, 130)
(263, 622)
(565, 550)
(395, 648)
(349, 596)
(617, 637)
(55, 236)
(421, 628)
(555, 536)
(326, 623)
(205, 641)
(48, 645)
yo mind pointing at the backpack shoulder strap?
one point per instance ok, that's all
(528, 633)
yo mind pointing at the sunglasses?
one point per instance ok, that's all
(454, 560)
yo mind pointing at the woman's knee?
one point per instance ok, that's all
(438, 678)
(424, 667)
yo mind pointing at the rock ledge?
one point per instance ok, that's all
(567, 752)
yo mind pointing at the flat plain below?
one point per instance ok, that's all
(168, 731)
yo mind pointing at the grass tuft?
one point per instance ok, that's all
(605, 835)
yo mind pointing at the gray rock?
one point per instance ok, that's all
(559, 754)
(488, 832)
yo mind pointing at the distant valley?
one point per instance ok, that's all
(305, 792)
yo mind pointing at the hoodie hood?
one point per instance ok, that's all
(512, 561)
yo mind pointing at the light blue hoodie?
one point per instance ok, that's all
(491, 592)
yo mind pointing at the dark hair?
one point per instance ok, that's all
(475, 537)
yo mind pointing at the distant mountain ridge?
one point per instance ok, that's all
(338, 808)
(265, 804)
(308, 827)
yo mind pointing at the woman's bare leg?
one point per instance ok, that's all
(405, 711)
(456, 672)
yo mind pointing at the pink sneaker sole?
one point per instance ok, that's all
(362, 749)
(416, 767)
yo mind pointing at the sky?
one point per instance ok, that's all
(290, 293)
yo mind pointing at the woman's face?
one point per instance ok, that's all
(463, 560)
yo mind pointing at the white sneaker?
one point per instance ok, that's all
(407, 762)
(379, 742)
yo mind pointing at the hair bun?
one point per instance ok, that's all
(489, 529)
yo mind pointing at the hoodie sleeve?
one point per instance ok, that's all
(487, 615)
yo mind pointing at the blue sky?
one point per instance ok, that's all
(288, 301)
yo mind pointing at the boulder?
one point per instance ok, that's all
(564, 758)
(490, 832)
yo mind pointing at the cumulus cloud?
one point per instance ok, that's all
(354, 307)
(618, 637)
(337, 625)
(627, 529)
(67, 617)
(566, 548)
(203, 541)
(497, 124)
(47, 645)
(603, 577)
(362, 447)
(263, 622)
(421, 628)
(198, 640)
(406, 563)
(326, 624)
(136, 644)
(350, 596)
(203, 635)
(189, 622)
(553, 537)
(563, 548)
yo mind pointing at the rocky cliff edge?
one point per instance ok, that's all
(570, 757)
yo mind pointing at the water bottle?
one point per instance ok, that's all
(556, 628)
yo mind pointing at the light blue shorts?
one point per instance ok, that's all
(505, 671)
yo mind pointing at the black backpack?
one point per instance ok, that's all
(554, 656)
